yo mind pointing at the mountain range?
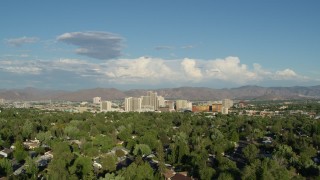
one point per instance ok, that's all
(189, 93)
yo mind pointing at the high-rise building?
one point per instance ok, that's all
(1, 101)
(227, 103)
(96, 100)
(132, 104)
(145, 104)
(153, 99)
(161, 101)
(136, 104)
(128, 104)
(106, 106)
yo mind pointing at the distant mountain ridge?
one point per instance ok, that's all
(189, 93)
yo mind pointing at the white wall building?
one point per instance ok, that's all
(132, 104)
(127, 104)
(161, 101)
(105, 106)
(182, 105)
(145, 103)
(227, 103)
(169, 104)
(153, 99)
(225, 110)
(136, 104)
(96, 100)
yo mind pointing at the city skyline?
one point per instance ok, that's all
(127, 45)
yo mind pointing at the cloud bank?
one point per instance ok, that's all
(18, 42)
(98, 45)
(152, 71)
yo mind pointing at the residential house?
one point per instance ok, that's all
(6, 152)
(32, 144)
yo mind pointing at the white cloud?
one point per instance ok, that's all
(17, 42)
(257, 68)
(190, 69)
(145, 69)
(229, 69)
(155, 71)
(99, 45)
(20, 67)
(285, 74)
(23, 70)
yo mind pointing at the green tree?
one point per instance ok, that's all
(5, 167)
(283, 154)
(27, 129)
(120, 153)
(44, 137)
(1, 141)
(142, 150)
(105, 143)
(72, 131)
(226, 165)
(134, 171)
(249, 173)
(112, 176)
(109, 163)
(225, 176)
(270, 169)
(234, 136)
(145, 171)
(31, 168)
(160, 156)
(124, 135)
(19, 153)
(57, 168)
(82, 168)
(149, 139)
(250, 152)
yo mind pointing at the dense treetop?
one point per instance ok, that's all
(206, 147)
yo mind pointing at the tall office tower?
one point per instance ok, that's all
(1, 101)
(132, 104)
(105, 106)
(96, 100)
(128, 104)
(161, 101)
(181, 105)
(227, 103)
(145, 104)
(153, 99)
(136, 104)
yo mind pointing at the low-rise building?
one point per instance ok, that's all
(6, 152)
(32, 144)
(201, 108)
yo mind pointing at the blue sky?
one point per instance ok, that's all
(80, 44)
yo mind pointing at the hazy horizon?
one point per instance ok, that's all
(147, 89)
